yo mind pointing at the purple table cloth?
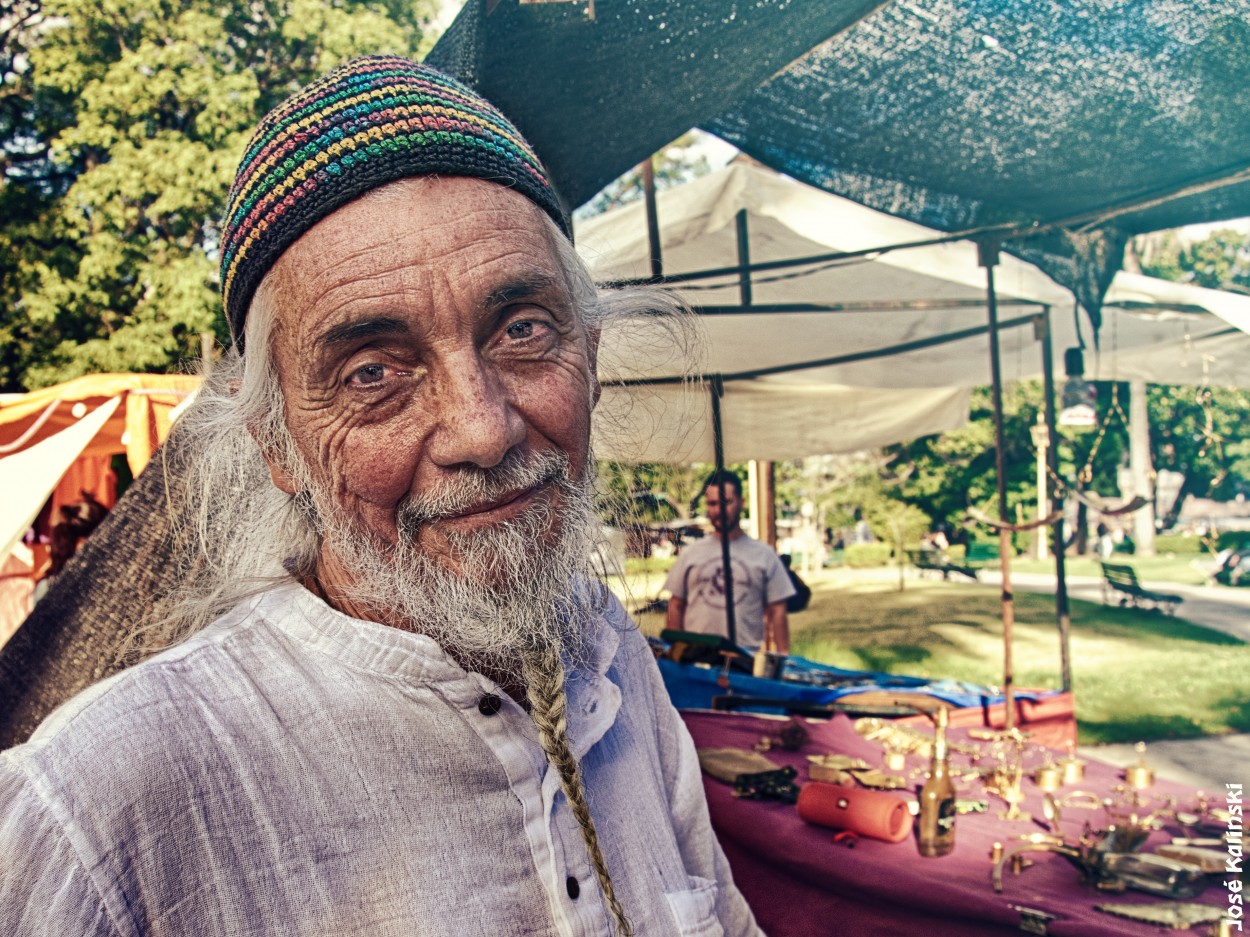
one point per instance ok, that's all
(800, 883)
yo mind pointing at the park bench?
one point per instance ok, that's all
(979, 555)
(938, 562)
(1122, 579)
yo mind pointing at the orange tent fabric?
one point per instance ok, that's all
(136, 429)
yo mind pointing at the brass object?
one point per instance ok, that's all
(1040, 838)
(1082, 800)
(1051, 811)
(1005, 779)
(836, 762)
(1048, 777)
(847, 772)
(1177, 915)
(1073, 770)
(1139, 776)
(906, 739)
(996, 853)
(1209, 860)
(879, 780)
(1033, 921)
(895, 760)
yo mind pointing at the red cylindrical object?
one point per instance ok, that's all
(868, 813)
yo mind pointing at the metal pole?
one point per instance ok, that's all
(987, 255)
(653, 218)
(1062, 614)
(1041, 441)
(1139, 462)
(206, 353)
(718, 442)
(744, 257)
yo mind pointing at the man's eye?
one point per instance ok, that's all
(369, 374)
(522, 329)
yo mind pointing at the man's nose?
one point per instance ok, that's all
(477, 422)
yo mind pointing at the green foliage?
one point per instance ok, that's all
(1219, 261)
(1180, 544)
(1200, 433)
(675, 164)
(865, 555)
(633, 494)
(948, 474)
(123, 123)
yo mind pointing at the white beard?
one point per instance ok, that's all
(517, 588)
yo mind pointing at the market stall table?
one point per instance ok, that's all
(800, 883)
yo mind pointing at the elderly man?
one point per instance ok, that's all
(761, 585)
(395, 701)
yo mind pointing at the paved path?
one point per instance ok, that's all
(1219, 608)
(1207, 763)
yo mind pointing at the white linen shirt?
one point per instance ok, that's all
(293, 771)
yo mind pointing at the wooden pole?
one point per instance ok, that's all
(1063, 615)
(718, 442)
(987, 254)
(647, 166)
(1139, 464)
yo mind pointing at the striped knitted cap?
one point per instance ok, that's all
(372, 121)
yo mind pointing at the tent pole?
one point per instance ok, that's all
(718, 441)
(1062, 612)
(647, 166)
(987, 256)
(744, 257)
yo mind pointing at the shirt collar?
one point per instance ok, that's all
(593, 699)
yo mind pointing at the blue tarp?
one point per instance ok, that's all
(692, 686)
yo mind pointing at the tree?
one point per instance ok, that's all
(1220, 261)
(1200, 433)
(678, 162)
(123, 122)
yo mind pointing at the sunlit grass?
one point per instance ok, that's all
(1170, 567)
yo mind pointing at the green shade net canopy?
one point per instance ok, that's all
(1098, 115)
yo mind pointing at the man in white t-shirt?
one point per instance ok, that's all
(760, 582)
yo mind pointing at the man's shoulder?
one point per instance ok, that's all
(143, 709)
(750, 545)
(701, 549)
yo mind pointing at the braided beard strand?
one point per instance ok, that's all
(515, 608)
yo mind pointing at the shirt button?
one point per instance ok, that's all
(489, 704)
(573, 888)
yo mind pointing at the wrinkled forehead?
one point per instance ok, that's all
(478, 238)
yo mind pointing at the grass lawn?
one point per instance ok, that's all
(1136, 674)
(1168, 567)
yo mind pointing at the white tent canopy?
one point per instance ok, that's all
(27, 478)
(1153, 330)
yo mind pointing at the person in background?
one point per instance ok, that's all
(761, 586)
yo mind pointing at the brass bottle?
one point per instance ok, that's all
(935, 826)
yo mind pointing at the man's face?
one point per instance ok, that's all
(421, 339)
(723, 516)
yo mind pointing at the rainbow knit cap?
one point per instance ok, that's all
(372, 121)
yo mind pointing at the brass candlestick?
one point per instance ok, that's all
(1139, 776)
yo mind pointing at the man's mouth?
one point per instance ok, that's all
(500, 508)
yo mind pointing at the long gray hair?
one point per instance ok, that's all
(239, 535)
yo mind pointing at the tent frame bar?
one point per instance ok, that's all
(1231, 175)
(897, 305)
(917, 345)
